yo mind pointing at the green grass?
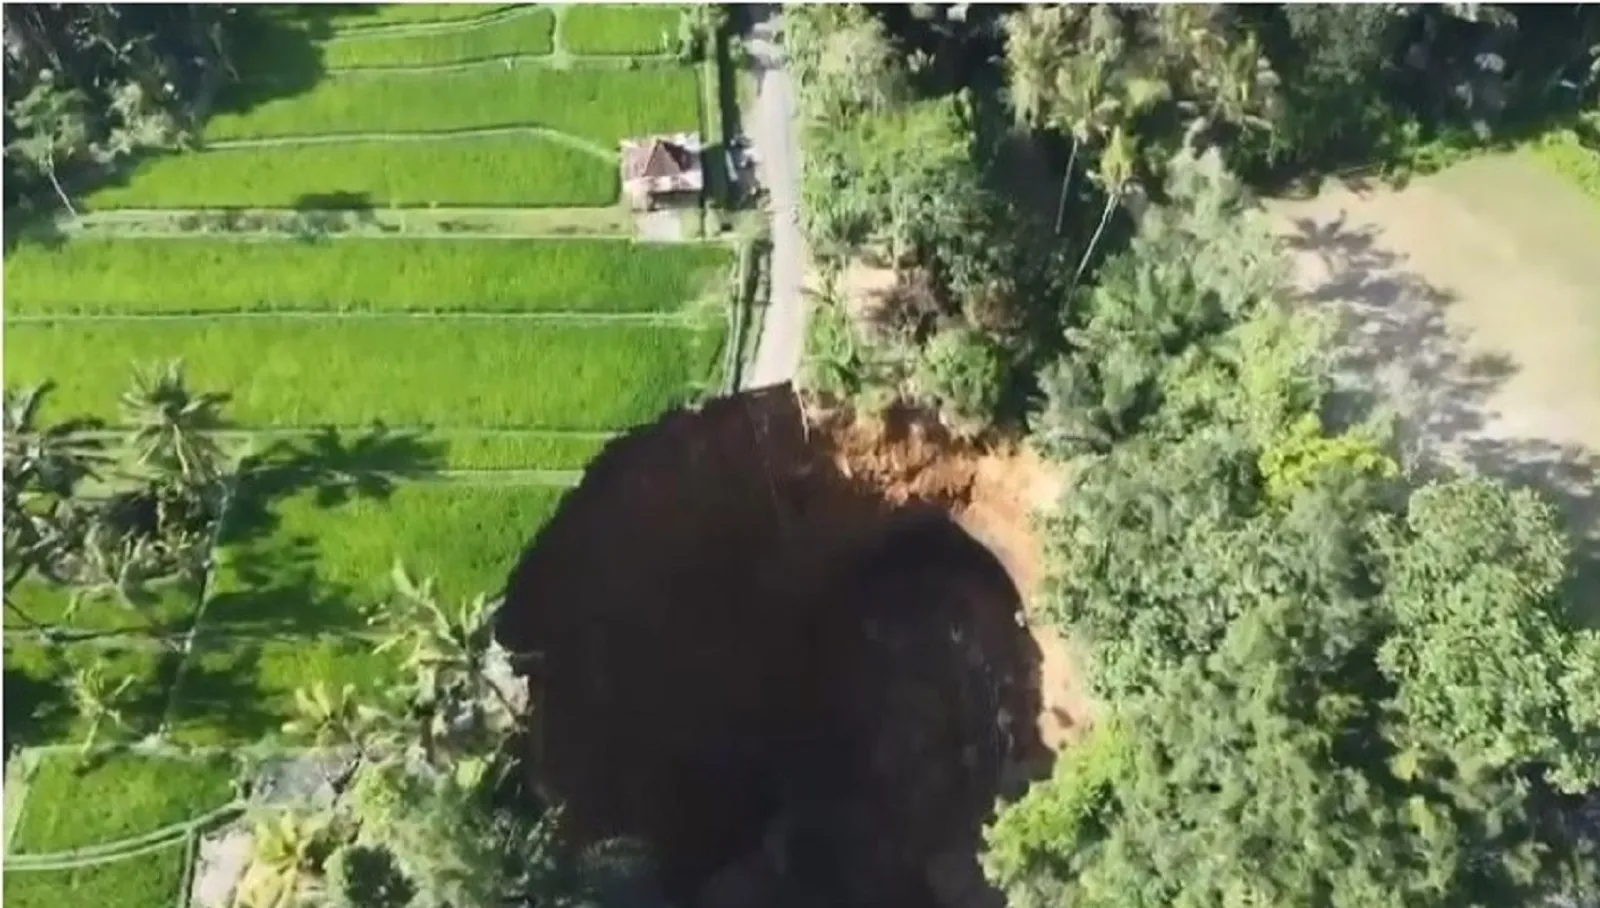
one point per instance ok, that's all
(414, 454)
(169, 608)
(508, 452)
(485, 171)
(1563, 152)
(529, 33)
(38, 708)
(142, 275)
(244, 692)
(76, 801)
(602, 105)
(353, 17)
(149, 880)
(604, 29)
(469, 373)
(318, 557)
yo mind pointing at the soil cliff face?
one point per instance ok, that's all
(789, 654)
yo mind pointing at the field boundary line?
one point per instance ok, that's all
(133, 213)
(16, 863)
(479, 476)
(171, 750)
(116, 431)
(224, 635)
(557, 62)
(392, 29)
(326, 138)
(213, 548)
(507, 13)
(276, 236)
(667, 319)
(18, 779)
(191, 857)
(245, 434)
(104, 852)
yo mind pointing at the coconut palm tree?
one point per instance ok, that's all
(43, 467)
(51, 459)
(1115, 176)
(174, 426)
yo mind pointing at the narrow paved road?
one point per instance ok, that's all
(774, 131)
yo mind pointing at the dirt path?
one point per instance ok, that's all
(1471, 304)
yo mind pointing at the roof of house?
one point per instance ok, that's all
(657, 158)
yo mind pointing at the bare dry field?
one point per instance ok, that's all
(1470, 305)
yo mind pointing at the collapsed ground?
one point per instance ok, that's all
(791, 655)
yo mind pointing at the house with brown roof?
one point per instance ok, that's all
(662, 171)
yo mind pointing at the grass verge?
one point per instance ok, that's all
(76, 801)
(123, 275)
(467, 373)
(494, 170)
(300, 555)
(620, 29)
(149, 880)
(601, 105)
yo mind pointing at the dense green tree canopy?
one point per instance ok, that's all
(1316, 698)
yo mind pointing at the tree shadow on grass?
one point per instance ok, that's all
(32, 228)
(276, 54)
(335, 466)
(270, 581)
(1398, 353)
(220, 693)
(37, 710)
(1395, 349)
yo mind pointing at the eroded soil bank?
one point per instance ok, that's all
(790, 654)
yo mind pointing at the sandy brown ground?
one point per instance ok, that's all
(1471, 303)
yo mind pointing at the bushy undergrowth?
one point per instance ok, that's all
(602, 29)
(474, 373)
(125, 276)
(602, 105)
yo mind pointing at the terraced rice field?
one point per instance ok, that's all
(393, 392)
